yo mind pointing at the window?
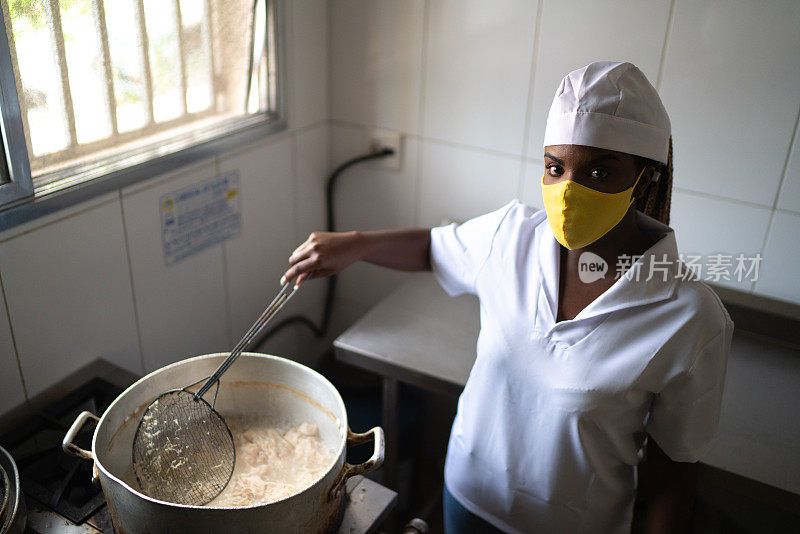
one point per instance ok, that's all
(100, 86)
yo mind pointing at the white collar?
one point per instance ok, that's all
(629, 290)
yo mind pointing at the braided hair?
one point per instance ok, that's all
(657, 197)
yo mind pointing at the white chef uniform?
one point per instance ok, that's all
(552, 421)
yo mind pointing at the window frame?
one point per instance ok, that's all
(21, 203)
(19, 186)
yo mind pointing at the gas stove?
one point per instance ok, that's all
(55, 484)
(58, 491)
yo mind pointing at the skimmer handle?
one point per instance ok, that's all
(286, 292)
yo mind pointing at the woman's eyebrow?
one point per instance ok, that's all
(549, 155)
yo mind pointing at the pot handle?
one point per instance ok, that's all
(71, 448)
(374, 462)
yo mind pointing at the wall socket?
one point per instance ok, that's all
(379, 139)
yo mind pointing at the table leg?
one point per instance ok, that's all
(390, 408)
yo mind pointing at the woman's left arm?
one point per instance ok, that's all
(670, 492)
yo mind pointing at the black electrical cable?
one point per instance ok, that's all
(330, 295)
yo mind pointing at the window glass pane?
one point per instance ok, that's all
(130, 77)
(161, 23)
(86, 70)
(197, 50)
(259, 59)
(127, 64)
(41, 95)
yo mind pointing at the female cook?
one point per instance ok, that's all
(594, 345)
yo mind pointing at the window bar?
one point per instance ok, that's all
(138, 6)
(208, 35)
(23, 104)
(269, 39)
(100, 21)
(263, 74)
(57, 34)
(251, 65)
(263, 61)
(181, 54)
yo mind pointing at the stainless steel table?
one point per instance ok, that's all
(417, 335)
(369, 505)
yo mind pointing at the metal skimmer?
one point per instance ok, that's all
(183, 450)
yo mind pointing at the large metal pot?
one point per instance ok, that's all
(12, 514)
(281, 390)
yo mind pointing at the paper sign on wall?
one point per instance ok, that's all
(199, 216)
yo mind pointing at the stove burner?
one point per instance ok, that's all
(49, 475)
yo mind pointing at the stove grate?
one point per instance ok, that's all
(47, 473)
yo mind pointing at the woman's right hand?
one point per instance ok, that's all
(323, 254)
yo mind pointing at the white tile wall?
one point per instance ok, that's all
(68, 291)
(308, 62)
(376, 55)
(789, 198)
(368, 196)
(364, 285)
(781, 264)
(757, 437)
(731, 91)
(459, 184)
(570, 36)
(478, 71)
(532, 184)
(181, 308)
(311, 169)
(58, 215)
(255, 259)
(735, 229)
(725, 61)
(10, 379)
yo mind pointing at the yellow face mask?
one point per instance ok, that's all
(580, 215)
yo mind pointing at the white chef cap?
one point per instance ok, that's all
(611, 105)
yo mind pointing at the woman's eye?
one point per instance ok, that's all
(554, 170)
(598, 174)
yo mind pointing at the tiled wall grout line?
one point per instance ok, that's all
(777, 194)
(423, 79)
(719, 197)
(164, 178)
(225, 280)
(529, 107)
(418, 137)
(530, 159)
(291, 69)
(59, 220)
(786, 160)
(182, 171)
(295, 190)
(328, 70)
(667, 33)
(13, 339)
(133, 285)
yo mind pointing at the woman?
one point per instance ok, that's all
(594, 345)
